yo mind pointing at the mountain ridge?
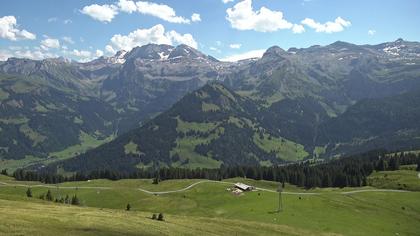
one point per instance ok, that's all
(322, 81)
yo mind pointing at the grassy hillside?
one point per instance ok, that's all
(400, 179)
(332, 211)
(30, 218)
(206, 128)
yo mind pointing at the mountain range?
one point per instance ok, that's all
(160, 105)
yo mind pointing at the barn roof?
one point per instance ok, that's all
(242, 186)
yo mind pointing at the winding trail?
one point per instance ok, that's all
(183, 189)
(201, 182)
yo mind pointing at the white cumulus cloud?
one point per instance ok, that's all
(155, 34)
(242, 17)
(246, 55)
(99, 53)
(227, 1)
(235, 45)
(35, 54)
(50, 43)
(329, 27)
(177, 38)
(161, 11)
(9, 30)
(298, 29)
(107, 12)
(104, 13)
(110, 49)
(195, 17)
(127, 6)
(81, 53)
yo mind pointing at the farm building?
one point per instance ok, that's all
(244, 187)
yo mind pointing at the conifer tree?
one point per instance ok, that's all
(394, 163)
(29, 192)
(75, 200)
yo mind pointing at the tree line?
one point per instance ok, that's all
(60, 199)
(344, 172)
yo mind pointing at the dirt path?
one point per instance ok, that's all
(201, 182)
(183, 189)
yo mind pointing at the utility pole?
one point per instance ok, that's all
(280, 189)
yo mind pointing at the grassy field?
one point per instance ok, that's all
(284, 149)
(210, 209)
(40, 218)
(400, 179)
(86, 142)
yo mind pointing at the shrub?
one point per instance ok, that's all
(160, 217)
(75, 200)
(29, 192)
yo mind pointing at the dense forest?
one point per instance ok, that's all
(350, 171)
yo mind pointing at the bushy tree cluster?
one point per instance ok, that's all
(60, 199)
(159, 217)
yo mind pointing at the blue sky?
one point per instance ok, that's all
(226, 29)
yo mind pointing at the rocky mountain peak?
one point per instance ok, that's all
(150, 52)
(274, 51)
(186, 51)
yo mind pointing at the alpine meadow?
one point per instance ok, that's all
(210, 117)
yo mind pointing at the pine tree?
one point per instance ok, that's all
(160, 217)
(67, 199)
(382, 165)
(75, 200)
(156, 180)
(4, 172)
(49, 196)
(394, 163)
(29, 192)
(128, 207)
(154, 217)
